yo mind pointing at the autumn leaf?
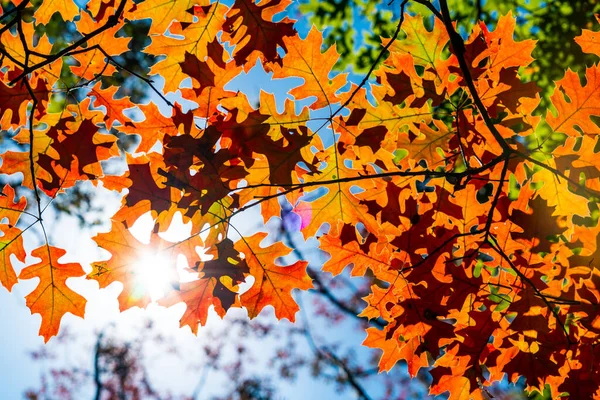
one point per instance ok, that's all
(15, 100)
(247, 22)
(305, 60)
(93, 63)
(589, 40)
(557, 193)
(187, 37)
(11, 244)
(336, 202)
(575, 104)
(216, 286)
(52, 298)
(79, 149)
(391, 352)
(163, 13)
(198, 297)
(344, 253)
(212, 76)
(429, 145)
(273, 284)
(425, 46)
(155, 125)
(11, 241)
(502, 50)
(68, 10)
(106, 98)
(9, 208)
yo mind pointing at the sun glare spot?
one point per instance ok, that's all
(158, 273)
(154, 274)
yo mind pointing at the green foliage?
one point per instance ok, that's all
(357, 25)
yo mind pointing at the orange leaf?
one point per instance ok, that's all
(114, 107)
(189, 37)
(394, 351)
(589, 40)
(198, 297)
(502, 51)
(155, 125)
(15, 99)
(68, 10)
(164, 12)
(52, 298)
(305, 60)
(11, 243)
(217, 286)
(575, 104)
(272, 284)
(93, 63)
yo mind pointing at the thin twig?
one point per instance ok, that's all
(111, 22)
(330, 356)
(97, 371)
(538, 293)
(458, 45)
(431, 8)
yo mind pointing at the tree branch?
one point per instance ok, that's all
(538, 293)
(97, 372)
(111, 22)
(328, 355)
(458, 46)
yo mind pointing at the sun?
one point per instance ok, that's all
(157, 272)
(154, 274)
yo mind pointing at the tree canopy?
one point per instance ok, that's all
(442, 175)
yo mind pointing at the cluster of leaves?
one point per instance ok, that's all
(484, 249)
(357, 25)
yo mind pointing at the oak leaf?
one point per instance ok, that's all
(52, 298)
(11, 244)
(164, 12)
(186, 36)
(575, 104)
(248, 26)
(272, 283)
(305, 60)
(589, 40)
(68, 10)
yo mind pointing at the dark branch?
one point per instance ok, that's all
(458, 46)
(111, 22)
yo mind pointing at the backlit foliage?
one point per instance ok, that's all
(435, 180)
